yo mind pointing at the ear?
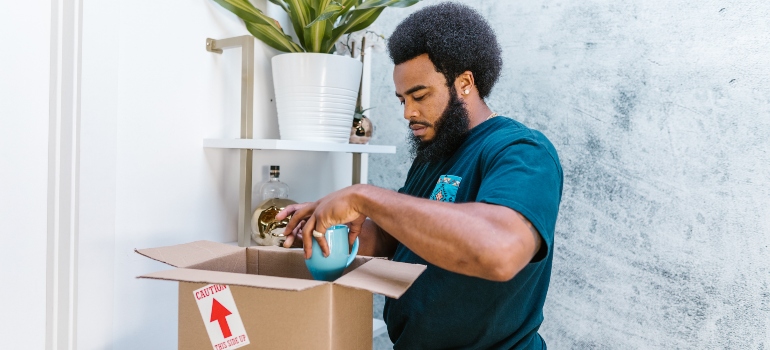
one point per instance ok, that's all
(465, 84)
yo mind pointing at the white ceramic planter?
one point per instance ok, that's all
(315, 95)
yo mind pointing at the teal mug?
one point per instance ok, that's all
(331, 267)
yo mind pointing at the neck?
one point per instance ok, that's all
(478, 112)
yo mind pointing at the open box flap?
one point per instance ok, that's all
(189, 254)
(385, 277)
(229, 278)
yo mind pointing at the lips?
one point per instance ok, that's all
(418, 130)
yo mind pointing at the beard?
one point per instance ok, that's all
(451, 130)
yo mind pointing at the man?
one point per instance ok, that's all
(479, 204)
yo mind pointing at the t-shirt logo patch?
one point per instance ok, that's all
(446, 188)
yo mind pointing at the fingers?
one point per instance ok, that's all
(322, 242)
(318, 232)
(298, 212)
(298, 241)
(355, 227)
(289, 237)
(294, 238)
(307, 237)
(352, 238)
(298, 234)
(289, 240)
(290, 209)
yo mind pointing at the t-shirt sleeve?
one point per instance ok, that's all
(524, 176)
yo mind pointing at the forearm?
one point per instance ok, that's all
(475, 239)
(374, 242)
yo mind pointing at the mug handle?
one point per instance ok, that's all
(353, 252)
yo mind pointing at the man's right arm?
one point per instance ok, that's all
(373, 240)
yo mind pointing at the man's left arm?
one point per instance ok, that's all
(475, 239)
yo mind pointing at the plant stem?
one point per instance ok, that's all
(363, 48)
(359, 108)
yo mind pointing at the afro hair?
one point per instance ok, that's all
(456, 39)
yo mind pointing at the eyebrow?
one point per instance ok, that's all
(412, 90)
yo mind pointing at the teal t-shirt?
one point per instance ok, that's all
(505, 163)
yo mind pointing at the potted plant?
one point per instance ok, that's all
(315, 91)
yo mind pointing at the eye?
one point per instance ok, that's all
(402, 102)
(418, 98)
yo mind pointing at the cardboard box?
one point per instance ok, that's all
(264, 297)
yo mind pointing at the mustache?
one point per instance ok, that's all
(421, 123)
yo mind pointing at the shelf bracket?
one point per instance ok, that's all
(246, 43)
(356, 168)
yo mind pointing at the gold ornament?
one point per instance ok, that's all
(362, 130)
(265, 230)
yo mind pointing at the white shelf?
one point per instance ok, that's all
(291, 145)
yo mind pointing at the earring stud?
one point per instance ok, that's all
(467, 91)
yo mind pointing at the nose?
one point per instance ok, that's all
(409, 111)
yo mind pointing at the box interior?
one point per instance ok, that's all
(274, 268)
(282, 262)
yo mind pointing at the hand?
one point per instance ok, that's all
(355, 227)
(336, 208)
(293, 230)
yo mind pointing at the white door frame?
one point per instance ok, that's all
(63, 174)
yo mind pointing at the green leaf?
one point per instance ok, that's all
(314, 36)
(364, 14)
(313, 20)
(331, 10)
(260, 25)
(358, 20)
(318, 32)
(364, 21)
(318, 6)
(273, 38)
(281, 4)
(246, 11)
(327, 36)
(389, 3)
(347, 6)
(299, 12)
(307, 34)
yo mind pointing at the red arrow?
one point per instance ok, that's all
(219, 313)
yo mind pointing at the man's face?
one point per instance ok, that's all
(424, 94)
(437, 117)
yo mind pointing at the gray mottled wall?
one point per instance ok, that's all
(660, 111)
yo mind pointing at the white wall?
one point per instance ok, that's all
(98, 147)
(24, 82)
(660, 112)
(150, 94)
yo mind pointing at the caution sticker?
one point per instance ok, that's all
(221, 317)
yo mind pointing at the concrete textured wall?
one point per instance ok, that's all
(660, 111)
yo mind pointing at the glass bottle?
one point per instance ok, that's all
(274, 188)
